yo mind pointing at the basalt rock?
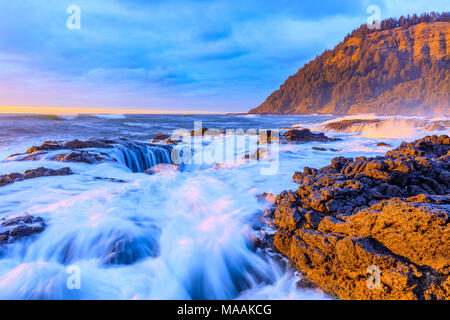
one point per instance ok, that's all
(79, 156)
(360, 125)
(305, 135)
(137, 156)
(34, 173)
(383, 144)
(14, 229)
(372, 228)
(294, 136)
(72, 145)
(76, 146)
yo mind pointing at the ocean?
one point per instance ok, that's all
(115, 232)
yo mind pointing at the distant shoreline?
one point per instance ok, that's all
(102, 111)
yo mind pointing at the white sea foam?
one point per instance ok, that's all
(182, 234)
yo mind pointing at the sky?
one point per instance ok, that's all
(204, 55)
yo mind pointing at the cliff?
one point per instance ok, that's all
(401, 68)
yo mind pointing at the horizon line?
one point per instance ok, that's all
(75, 111)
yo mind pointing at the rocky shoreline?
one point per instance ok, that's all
(371, 228)
(360, 125)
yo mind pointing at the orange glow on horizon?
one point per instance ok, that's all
(75, 111)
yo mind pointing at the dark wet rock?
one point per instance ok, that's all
(14, 229)
(347, 125)
(34, 173)
(305, 135)
(319, 149)
(359, 125)
(136, 156)
(293, 136)
(383, 144)
(77, 154)
(391, 212)
(110, 179)
(80, 156)
(72, 145)
(160, 138)
(127, 250)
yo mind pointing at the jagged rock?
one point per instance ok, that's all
(295, 135)
(390, 212)
(34, 173)
(160, 138)
(80, 156)
(72, 145)
(360, 125)
(383, 144)
(348, 124)
(14, 229)
(305, 135)
(136, 156)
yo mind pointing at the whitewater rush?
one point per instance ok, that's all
(192, 151)
(225, 309)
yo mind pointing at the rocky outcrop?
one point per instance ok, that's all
(14, 229)
(137, 156)
(401, 68)
(76, 147)
(305, 135)
(361, 125)
(72, 145)
(294, 136)
(34, 173)
(372, 228)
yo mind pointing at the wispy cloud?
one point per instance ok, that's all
(216, 55)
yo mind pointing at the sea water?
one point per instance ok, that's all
(181, 234)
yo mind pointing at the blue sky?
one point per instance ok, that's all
(226, 55)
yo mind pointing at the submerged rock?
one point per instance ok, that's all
(384, 216)
(127, 250)
(383, 144)
(34, 173)
(14, 229)
(161, 168)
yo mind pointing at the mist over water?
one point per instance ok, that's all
(174, 234)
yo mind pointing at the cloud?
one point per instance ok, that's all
(173, 53)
